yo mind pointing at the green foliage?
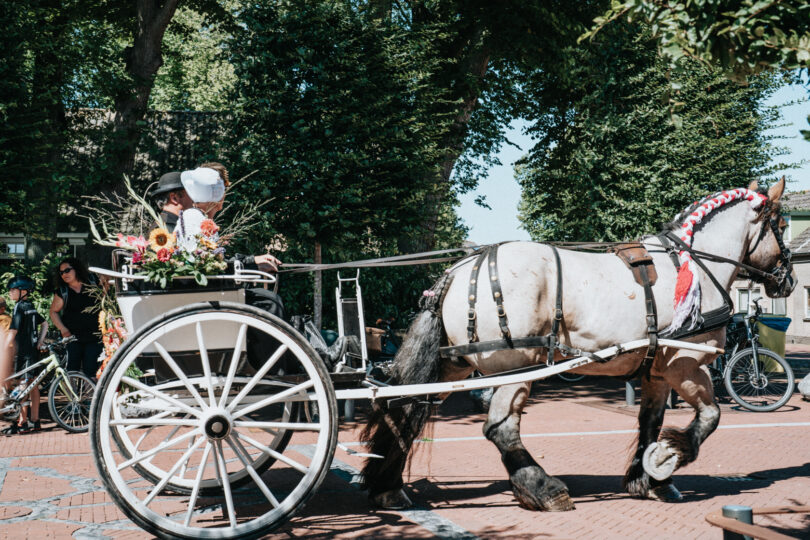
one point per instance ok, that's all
(41, 272)
(612, 162)
(196, 74)
(329, 114)
(742, 37)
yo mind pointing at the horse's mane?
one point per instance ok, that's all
(768, 209)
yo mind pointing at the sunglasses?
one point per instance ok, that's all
(66, 270)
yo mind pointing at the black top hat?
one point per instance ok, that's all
(168, 182)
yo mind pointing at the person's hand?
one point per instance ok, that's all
(65, 333)
(41, 346)
(267, 263)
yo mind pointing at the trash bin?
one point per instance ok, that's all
(772, 330)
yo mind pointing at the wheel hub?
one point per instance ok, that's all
(760, 382)
(217, 426)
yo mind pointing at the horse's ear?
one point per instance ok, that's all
(753, 186)
(776, 190)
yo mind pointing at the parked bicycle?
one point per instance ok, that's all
(69, 395)
(755, 377)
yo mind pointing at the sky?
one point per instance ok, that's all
(502, 192)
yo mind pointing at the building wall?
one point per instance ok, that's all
(799, 222)
(795, 306)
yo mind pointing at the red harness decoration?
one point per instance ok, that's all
(687, 288)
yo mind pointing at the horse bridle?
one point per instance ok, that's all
(782, 272)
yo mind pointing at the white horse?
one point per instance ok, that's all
(602, 305)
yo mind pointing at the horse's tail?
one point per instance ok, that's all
(390, 432)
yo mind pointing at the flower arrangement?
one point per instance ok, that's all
(166, 255)
(113, 335)
(163, 256)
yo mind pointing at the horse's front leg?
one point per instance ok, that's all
(533, 488)
(678, 447)
(654, 393)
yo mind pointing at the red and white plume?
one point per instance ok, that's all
(687, 288)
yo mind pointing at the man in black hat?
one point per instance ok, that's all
(171, 198)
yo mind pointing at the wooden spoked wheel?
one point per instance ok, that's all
(199, 444)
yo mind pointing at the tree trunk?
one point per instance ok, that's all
(143, 59)
(318, 287)
(476, 66)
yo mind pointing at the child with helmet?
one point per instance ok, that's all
(25, 336)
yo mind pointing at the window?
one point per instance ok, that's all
(12, 247)
(807, 302)
(742, 298)
(779, 306)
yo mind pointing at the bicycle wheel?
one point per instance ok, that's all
(766, 391)
(69, 400)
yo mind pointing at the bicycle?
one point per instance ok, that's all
(69, 395)
(755, 377)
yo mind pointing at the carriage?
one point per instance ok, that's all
(188, 433)
(218, 420)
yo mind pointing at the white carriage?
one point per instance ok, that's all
(217, 420)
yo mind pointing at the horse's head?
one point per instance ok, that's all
(767, 251)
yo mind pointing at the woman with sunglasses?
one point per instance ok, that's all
(75, 311)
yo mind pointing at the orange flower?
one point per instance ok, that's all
(161, 239)
(208, 227)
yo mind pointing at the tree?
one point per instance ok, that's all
(742, 37)
(612, 163)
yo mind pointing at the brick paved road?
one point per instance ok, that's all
(579, 432)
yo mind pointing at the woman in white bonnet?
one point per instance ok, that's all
(206, 188)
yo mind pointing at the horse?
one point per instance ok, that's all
(602, 305)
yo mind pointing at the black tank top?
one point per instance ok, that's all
(82, 325)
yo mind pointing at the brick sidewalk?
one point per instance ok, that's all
(580, 432)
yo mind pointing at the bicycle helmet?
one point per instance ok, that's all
(24, 283)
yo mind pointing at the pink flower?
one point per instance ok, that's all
(137, 257)
(164, 254)
(120, 240)
(140, 243)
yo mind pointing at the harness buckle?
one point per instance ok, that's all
(501, 312)
(558, 314)
(471, 315)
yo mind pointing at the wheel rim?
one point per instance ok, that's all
(202, 431)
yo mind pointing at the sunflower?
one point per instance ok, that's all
(161, 239)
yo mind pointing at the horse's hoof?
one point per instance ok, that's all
(660, 460)
(559, 502)
(556, 502)
(666, 493)
(392, 500)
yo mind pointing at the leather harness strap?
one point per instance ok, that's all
(474, 346)
(636, 257)
(710, 320)
(472, 334)
(497, 295)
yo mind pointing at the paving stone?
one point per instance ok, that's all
(581, 433)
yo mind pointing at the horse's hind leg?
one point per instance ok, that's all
(533, 488)
(654, 392)
(677, 447)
